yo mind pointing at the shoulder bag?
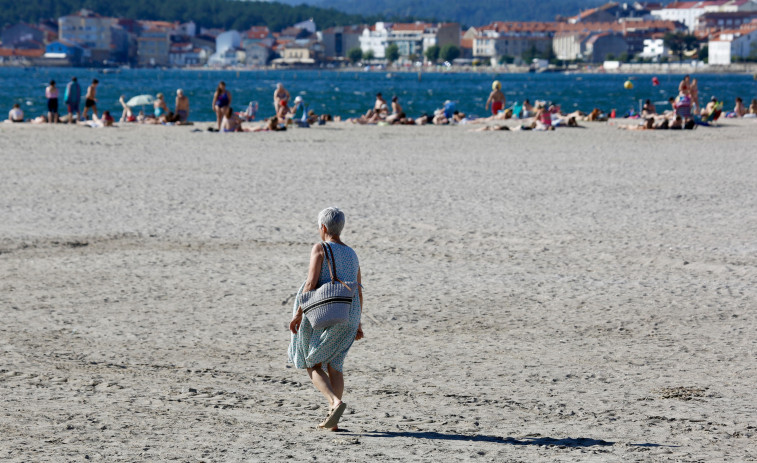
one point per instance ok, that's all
(330, 303)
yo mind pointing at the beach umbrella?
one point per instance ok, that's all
(141, 100)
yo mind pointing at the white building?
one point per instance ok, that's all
(688, 12)
(733, 43)
(227, 45)
(375, 39)
(654, 48)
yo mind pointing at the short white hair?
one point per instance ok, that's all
(333, 219)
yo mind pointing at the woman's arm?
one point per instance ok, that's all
(228, 94)
(314, 273)
(314, 270)
(360, 334)
(215, 98)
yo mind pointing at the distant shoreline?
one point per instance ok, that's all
(624, 68)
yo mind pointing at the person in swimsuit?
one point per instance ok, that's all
(182, 107)
(397, 113)
(685, 86)
(231, 121)
(160, 107)
(648, 109)
(90, 99)
(72, 98)
(379, 103)
(694, 91)
(16, 114)
(496, 98)
(127, 115)
(221, 101)
(51, 93)
(543, 119)
(280, 98)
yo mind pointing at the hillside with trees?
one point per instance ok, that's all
(470, 12)
(226, 14)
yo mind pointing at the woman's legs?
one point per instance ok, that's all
(332, 387)
(337, 382)
(219, 115)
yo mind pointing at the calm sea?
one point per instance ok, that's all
(352, 93)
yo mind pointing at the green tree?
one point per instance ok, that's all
(432, 53)
(704, 53)
(624, 57)
(506, 59)
(548, 54)
(392, 53)
(368, 55)
(529, 55)
(753, 50)
(449, 52)
(354, 54)
(679, 43)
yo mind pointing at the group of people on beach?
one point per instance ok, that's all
(74, 114)
(542, 115)
(286, 114)
(685, 111)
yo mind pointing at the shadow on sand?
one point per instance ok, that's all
(571, 442)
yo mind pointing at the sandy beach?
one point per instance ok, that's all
(581, 295)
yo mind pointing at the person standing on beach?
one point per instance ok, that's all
(685, 86)
(51, 93)
(496, 98)
(221, 101)
(182, 107)
(72, 99)
(281, 99)
(90, 99)
(694, 91)
(322, 351)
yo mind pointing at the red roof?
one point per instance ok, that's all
(158, 25)
(258, 32)
(411, 26)
(24, 53)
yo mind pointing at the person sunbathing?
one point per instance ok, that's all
(491, 128)
(271, 125)
(231, 121)
(595, 116)
(739, 110)
(713, 110)
(127, 114)
(105, 121)
(648, 109)
(648, 124)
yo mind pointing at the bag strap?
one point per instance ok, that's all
(327, 249)
(329, 260)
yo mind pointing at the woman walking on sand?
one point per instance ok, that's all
(322, 351)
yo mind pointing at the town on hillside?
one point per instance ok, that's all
(719, 32)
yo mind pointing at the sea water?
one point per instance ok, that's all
(352, 93)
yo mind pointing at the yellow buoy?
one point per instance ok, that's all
(628, 85)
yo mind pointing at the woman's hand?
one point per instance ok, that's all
(359, 334)
(294, 325)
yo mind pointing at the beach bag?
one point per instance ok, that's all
(330, 303)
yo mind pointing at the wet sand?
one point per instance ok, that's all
(582, 295)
